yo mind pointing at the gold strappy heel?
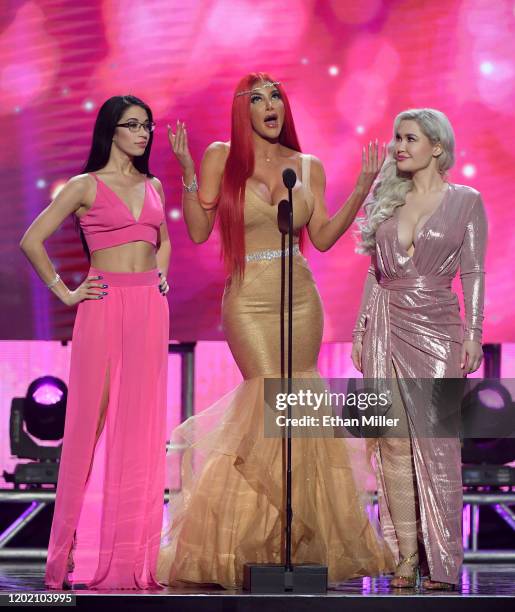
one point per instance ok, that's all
(410, 581)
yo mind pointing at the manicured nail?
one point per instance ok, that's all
(160, 273)
(104, 286)
(104, 292)
(100, 297)
(100, 277)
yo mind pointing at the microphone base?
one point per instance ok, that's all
(276, 578)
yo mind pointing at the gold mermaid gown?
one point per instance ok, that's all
(229, 510)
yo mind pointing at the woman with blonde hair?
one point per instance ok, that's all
(419, 229)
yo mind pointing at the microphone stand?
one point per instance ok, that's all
(274, 578)
(285, 222)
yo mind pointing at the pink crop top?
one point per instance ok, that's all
(110, 223)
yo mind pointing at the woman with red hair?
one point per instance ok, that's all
(229, 511)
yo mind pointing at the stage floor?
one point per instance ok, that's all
(478, 583)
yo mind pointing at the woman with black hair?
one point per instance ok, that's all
(108, 509)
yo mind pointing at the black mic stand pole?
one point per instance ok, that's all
(289, 511)
(273, 578)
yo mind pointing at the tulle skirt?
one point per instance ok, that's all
(230, 508)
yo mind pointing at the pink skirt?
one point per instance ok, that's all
(110, 490)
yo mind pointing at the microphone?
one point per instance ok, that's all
(283, 216)
(289, 178)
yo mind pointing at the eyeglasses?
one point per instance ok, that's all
(134, 126)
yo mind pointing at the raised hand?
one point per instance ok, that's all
(372, 160)
(179, 144)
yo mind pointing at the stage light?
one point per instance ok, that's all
(47, 395)
(334, 70)
(41, 183)
(492, 399)
(174, 214)
(469, 170)
(486, 68)
(88, 106)
(45, 408)
(38, 417)
(488, 408)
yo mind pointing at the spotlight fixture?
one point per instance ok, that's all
(488, 411)
(38, 417)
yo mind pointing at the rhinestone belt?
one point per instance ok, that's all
(269, 254)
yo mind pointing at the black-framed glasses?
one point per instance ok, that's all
(134, 126)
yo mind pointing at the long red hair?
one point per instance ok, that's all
(240, 167)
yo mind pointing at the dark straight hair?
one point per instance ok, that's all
(108, 116)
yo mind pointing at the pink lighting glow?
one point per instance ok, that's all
(348, 67)
(47, 394)
(492, 399)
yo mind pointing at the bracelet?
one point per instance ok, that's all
(54, 282)
(190, 188)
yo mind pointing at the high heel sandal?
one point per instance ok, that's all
(399, 581)
(436, 585)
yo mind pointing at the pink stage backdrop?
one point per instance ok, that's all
(349, 68)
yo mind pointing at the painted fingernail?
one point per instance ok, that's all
(100, 277)
(104, 286)
(104, 292)
(100, 297)
(160, 273)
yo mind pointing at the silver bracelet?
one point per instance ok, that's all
(54, 282)
(190, 188)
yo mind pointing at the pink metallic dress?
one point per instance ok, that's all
(411, 327)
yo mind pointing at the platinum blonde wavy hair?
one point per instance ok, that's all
(391, 186)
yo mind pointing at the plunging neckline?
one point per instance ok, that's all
(122, 202)
(424, 225)
(271, 204)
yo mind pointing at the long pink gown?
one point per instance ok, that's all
(410, 319)
(110, 492)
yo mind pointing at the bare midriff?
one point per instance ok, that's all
(136, 256)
